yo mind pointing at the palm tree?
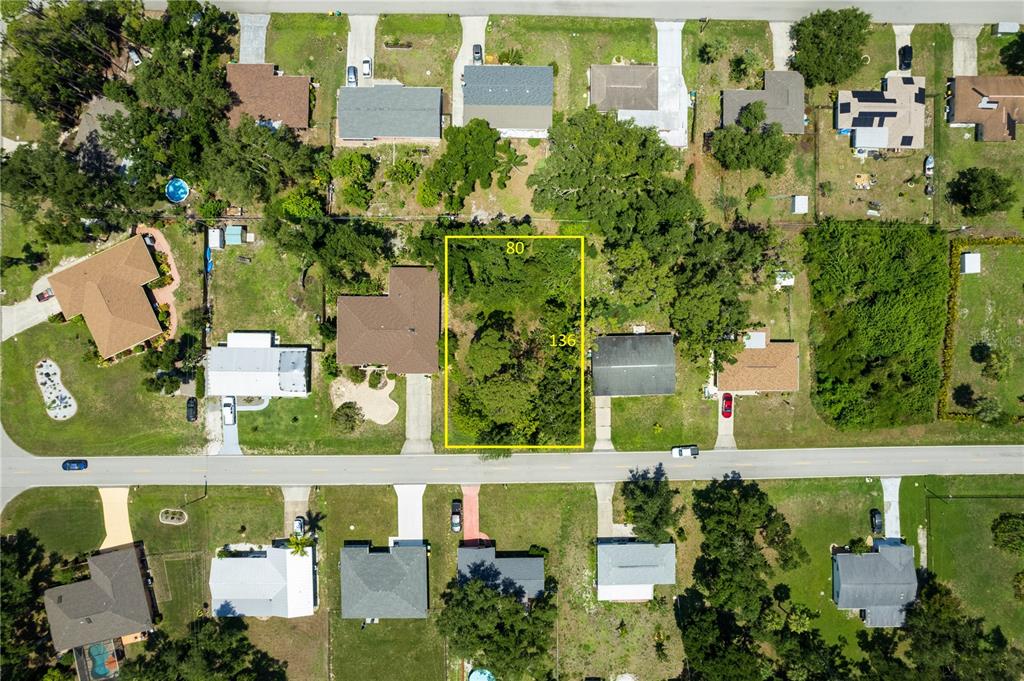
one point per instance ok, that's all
(299, 544)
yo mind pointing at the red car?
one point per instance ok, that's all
(726, 405)
(43, 296)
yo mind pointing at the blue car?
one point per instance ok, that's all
(75, 465)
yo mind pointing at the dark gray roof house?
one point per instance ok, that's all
(634, 364)
(881, 584)
(113, 602)
(522, 574)
(783, 97)
(512, 98)
(389, 112)
(389, 583)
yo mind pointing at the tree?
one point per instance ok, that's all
(650, 505)
(1018, 586)
(489, 625)
(470, 157)
(404, 171)
(754, 194)
(742, 64)
(827, 45)
(712, 50)
(717, 646)
(348, 416)
(1008, 532)
(964, 397)
(980, 191)
(300, 544)
(1011, 55)
(751, 144)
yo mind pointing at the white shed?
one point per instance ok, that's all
(800, 204)
(784, 278)
(1005, 28)
(216, 238)
(970, 263)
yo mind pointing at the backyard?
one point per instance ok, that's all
(67, 520)
(434, 40)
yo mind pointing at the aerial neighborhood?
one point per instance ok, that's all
(569, 341)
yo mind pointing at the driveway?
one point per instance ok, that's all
(902, 32)
(474, 32)
(603, 417)
(726, 440)
(24, 315)
(965, 49)
(891, 507)
(362, 39)
(296, 503)
(673, 98)
(606, 527)
(410, 514)
(782, 46)
(252, 42)
(115, 517)
(471, 514)
(418, 415)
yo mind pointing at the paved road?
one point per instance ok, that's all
(362, 40)
(907, 12)
(474, 32)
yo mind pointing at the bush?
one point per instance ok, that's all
(980, 352)
(212, 208)
(712, 50)
(1008, 532)
(755, 193)
(357, 195)
(996, 366)
(964, 397)
(742, 64)
(355, 374)
(534, 142)
(554, 68)
(328, 329)
(980, 191)
(329, 364)
(377, 378)
(511, 56)
(404, 172)
(348, 417)
(989, 411)
(353, 165)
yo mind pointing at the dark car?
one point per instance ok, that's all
(43, 296)
(457, 515)
(876, 521)
(929, 189)
(352, 76)
(75, 465)
(906, 55)
(727, 405)
(191, 409)
(478, 54)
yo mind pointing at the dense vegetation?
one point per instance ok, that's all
(828, 45)
(980, 191)
(651, 505)
(750, 143)
(879, 295)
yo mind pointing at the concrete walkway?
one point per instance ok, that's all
(115, 517)
(902, 32)
(891, 508)
(252, 43)
(362, 41)
(410, 513)
(471, 514)
(726, 439)
(296, 503)
(782, 46)
(603, 418)
(965, 49)
(474, 32)
(606, 527)
(418, 415)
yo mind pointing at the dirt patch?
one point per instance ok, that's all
(376, 403)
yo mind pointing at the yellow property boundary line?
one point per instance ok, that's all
(582, 339)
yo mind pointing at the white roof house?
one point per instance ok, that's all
(628, 571)
(784, 278)
(268, 582)
(251, 365)
(970, 263)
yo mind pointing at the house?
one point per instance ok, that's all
(271, 99)
(628, 570)
(762, 366)
(634, 364)
(880, 584)
(234, 235)
(624, 87)
(269, 581)
(251, 364)
(799, 204)
(399, 330)
(90, 128)
(520, 574)
(108, 290)
(389, 113)
(970, 263)
(783, 97)
(515, 100)
(994, 104)
(384, 583)
(112, 603)
(892, 118)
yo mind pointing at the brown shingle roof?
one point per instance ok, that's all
(629, 87)
(107, 290)
(774, 368)
(265, 96)
(1004, 110)
(399, 329)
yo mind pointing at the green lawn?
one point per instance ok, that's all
(19, 123)
(18, 276)
(662, 421)
(879, 57)
(435, 41)
(991, 307)
(67, 520)
(573, 43)
(313, 45)
(988, 52)
(115, 414)
(933, 55)
(187, 248)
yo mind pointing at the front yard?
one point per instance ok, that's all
(67, 520)
(434, 40)
(19, 246)
(662, 421)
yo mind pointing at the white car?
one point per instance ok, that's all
(227, 408)
(299, 525)
(685, 452)
(367, 68)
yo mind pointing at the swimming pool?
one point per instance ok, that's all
(177, 190)
(98, 654)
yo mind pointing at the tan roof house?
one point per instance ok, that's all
(892, 118)
(107, 290)
(995, 104)
(626, 86)
(399, 330)
(277, 100)
(762, 366)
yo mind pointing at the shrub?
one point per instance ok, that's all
(534, 142)
(742, 64)
(347, 417)
(964, 397)
(357, 195)
(712, 50)
(404, 172)
(989, 411)
(355, 374)
(377, 378)
(200, 382)
(1008, 532)
(511, 56)
(329, 364)
(996, 366)
(755, 193)
(554, 68)
(212, 208)
(980, 352)
(328, 329)
(353, 165)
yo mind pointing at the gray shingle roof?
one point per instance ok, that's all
(629, 563)
(525, 573)
(783, 96)
(389, 111)
(111, 603)
(882, 583)
(634, 364)
(383, 583)
(630, 87)
(509, 97)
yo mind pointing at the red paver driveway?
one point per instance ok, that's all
(471, 513)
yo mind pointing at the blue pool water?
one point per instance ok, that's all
(98, 653)
(176, 190)
(481, 675)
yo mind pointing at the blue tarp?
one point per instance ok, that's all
(209, 260)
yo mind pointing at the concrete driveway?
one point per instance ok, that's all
(603, 418)
(726, 440)
(902, 32)
(252, 39)
(24, 315)
(296, 503)
(410, 513)
(965, 49)
(362, 39)
(891, 507)
(782, 46)
(115, 517)
(606, 527)
(418, 415)
(474, 32)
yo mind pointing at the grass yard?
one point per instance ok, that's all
(933, 55)
(19, 123)
(958, 528)
(179, 555)
(573, 43)
(67, 520)
(879, 58)
(563, 519)
(516, 199)
(435, 41)
(17, 273)
(116, 416)
(991, 312)
(187, 248)
(312, 45)
(662, 421)
(989, 45)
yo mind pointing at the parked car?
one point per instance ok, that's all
(149, 580)
(367, 68)
(727, 405)
(685, 452)
(457, 515)
(75, 465)
(929, 189)
(227, 408)
(876, 521)
(478, 54)
(352, 78)
(43, 296)
(929, 165)
(191, 409)
(299, 525)
(134, 55)
(906, 55)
